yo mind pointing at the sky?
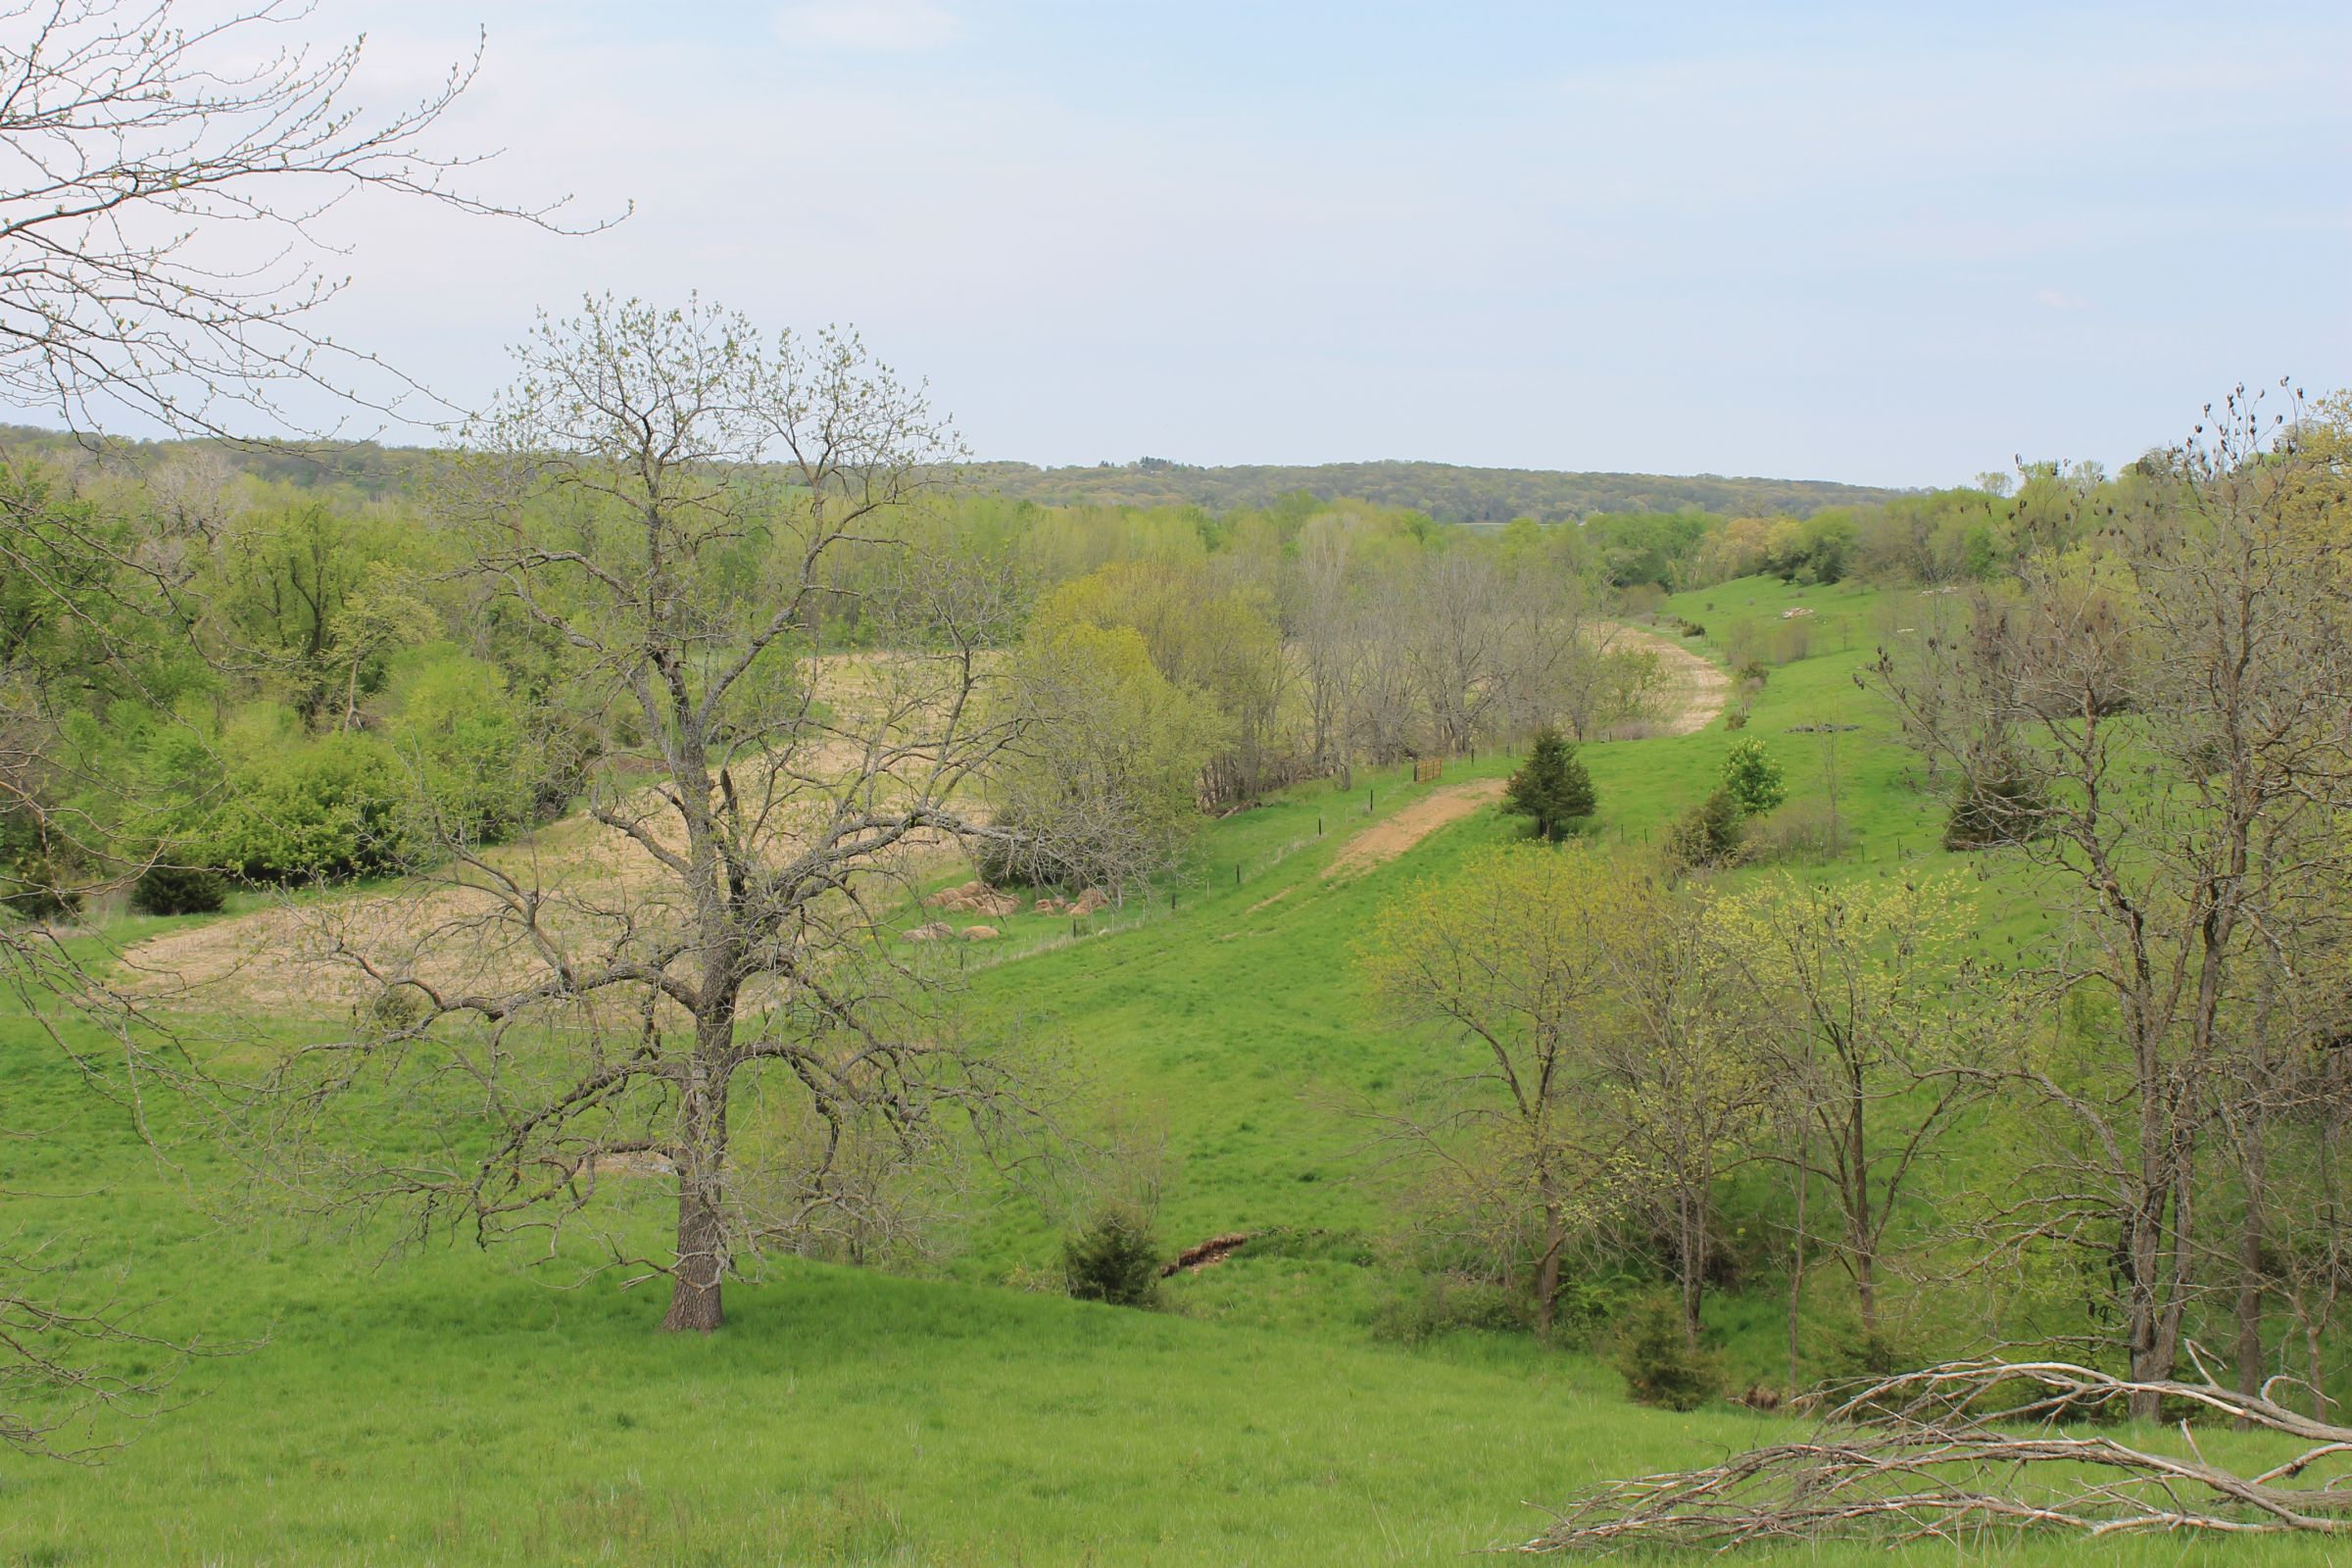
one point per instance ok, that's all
(1885, 243)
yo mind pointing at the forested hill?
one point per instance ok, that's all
(1445, 491)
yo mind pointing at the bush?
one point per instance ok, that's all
(389, 1012)
(1803, 832)
(1752, 672)
(1659, 1366)
(1115, 1258)
(179, 889)
(1435, 1305)
(1710, 833)
(32, 887)
(1994, 807)
(317, 809)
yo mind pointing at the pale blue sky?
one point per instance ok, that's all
(1891, 243)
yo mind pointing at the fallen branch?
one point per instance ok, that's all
(1206, 1254)
(1974, 1447)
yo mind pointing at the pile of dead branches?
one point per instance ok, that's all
(1976, 1447)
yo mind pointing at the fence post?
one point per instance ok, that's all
(1318, 825)
(1237, 873)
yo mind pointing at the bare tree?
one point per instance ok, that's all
(162, 175)
(2169, 722)
(1324, 630)
(1451, 638)
(714, 1002)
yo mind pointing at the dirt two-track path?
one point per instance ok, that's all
(1694, 692)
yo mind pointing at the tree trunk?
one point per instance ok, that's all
(1796, 1271)
(2249, 1281)
(1694, 1268)
(1548, 1277)
(694, 1297)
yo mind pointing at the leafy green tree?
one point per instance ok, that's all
(1105, 788)
(1552, 787)
(1512, 964)
(1752, 779)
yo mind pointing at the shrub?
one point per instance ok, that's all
(1710, 833)
(1805, 832)
(1752, 671)
(1993, 805)
(1115, 1258)
(318, 808)
(1435, 1305)
(1752, 778)
(389, 1012)
(179, 889)
(32, 887)
(1659, 1366)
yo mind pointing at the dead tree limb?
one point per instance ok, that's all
(1972, 1448)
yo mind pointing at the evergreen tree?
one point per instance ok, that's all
(1552, 787)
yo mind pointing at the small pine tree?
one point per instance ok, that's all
(1552, 786)
(1114, 1259)
(1659, 1366)
(1752, 778)
(179, 889)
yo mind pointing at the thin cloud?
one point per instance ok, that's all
(2057, 299)
(868, 25)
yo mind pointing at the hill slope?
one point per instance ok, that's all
(1445, 491)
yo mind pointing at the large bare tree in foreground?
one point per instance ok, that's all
(710, 995)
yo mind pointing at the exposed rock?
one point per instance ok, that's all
(980, 933)
(1092, 900)
(935, 931)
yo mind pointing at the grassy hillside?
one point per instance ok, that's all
(451, 1406)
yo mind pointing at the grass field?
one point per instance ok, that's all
(450, 1406)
